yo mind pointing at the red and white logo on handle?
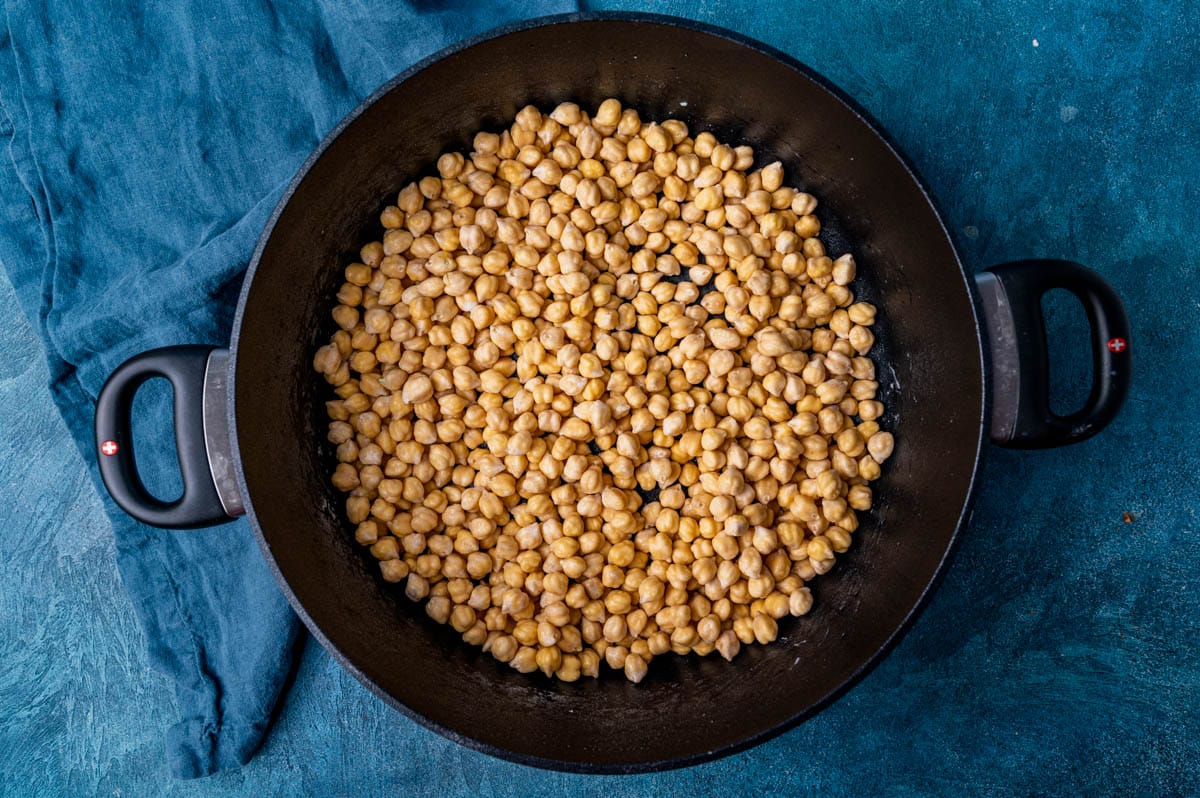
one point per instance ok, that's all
(109, 448)
(1117, 345)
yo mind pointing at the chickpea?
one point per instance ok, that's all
(880, 446)
(800, 601)
(578, 311)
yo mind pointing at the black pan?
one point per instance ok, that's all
(250, 421)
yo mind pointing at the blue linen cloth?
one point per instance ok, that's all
(141, 151)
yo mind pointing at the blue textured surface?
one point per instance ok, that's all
(1060, 655)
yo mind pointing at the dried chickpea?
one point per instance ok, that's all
(601, 394)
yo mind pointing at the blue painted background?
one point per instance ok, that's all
(1060, 656)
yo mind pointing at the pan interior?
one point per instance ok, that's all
(930, 373)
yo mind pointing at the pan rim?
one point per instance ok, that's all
(868, 664)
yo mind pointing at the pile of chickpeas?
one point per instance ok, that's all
(602, 394)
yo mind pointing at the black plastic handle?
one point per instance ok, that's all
(185, 368)
(1012, 299)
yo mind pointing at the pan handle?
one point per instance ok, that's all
(198, 377)
(1012, 304)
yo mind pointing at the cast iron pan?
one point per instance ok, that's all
(933, 379)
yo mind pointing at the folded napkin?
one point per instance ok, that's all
(142, 148)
